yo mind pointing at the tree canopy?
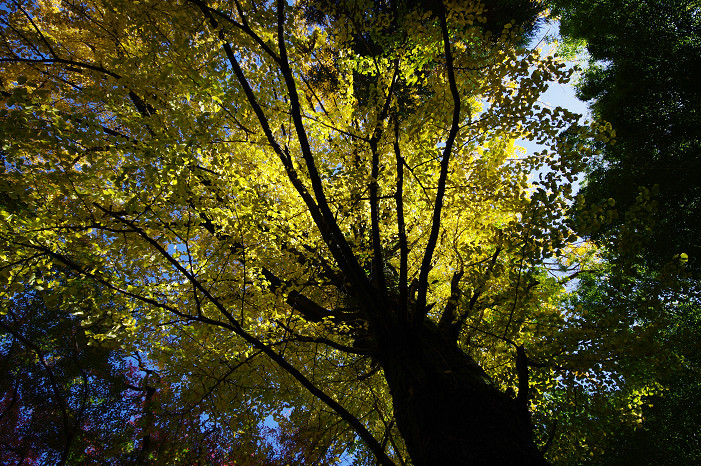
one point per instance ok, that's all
(314, 211)
(643, 66)
(642, 78)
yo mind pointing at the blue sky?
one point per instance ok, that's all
(557, 95)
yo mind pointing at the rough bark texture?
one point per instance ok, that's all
(446, 408)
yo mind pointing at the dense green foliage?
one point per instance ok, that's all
(646, 322)
(643, 79)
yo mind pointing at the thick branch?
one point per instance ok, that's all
(310, 310)
(378, 268)
(447, 321)
(326, 222)
(321, 213)
(243, 25)
(144, 108)
(401, 229)
(52, 61)
(325, 341)
(426, 265)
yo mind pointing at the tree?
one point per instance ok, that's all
(668, 429)
(637, 325)
(642, 79)
(52, 388)
(641, 76)
(320, 205)
(67, 400)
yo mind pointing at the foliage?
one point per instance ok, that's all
(56, 391)
(67, 400)
(643, 322)
(311, 211)
(668, 430)
(644, 64)
(643, 78)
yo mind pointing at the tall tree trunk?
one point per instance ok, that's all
(446, 408)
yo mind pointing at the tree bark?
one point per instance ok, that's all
(446, 408)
